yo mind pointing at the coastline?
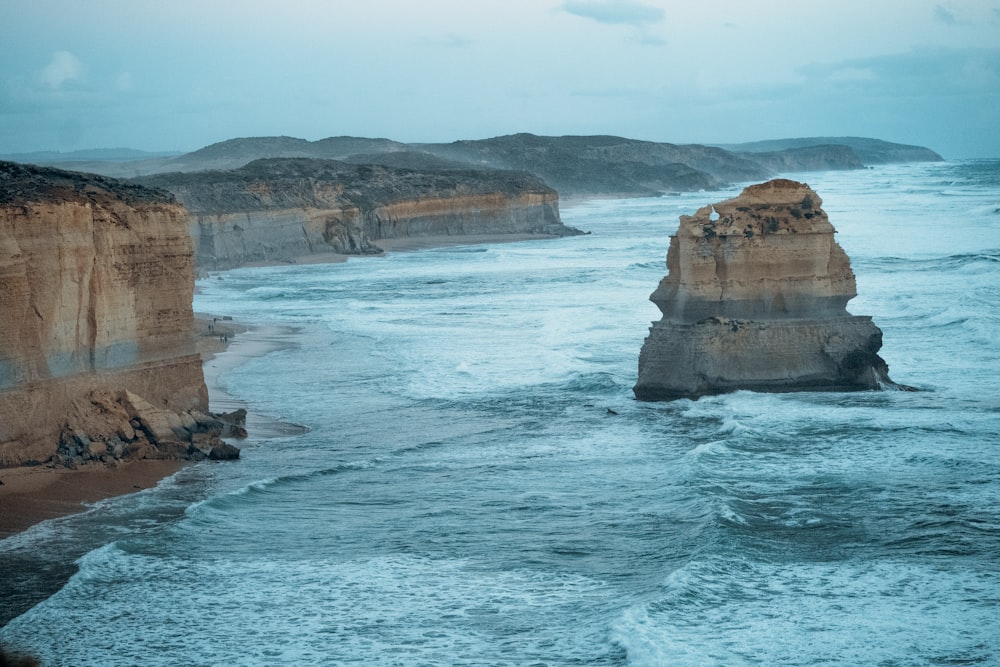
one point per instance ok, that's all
(412, 243)
(33, 494)
(242, 342)
(30, 495)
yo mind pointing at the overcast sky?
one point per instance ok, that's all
(180, 74)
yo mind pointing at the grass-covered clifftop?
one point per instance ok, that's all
(273, 183)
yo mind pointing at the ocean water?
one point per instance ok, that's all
(478, 487)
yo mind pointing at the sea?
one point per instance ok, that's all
(465, 477)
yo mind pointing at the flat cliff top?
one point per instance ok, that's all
(277, 183)
(24, 183)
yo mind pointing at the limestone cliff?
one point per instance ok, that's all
(283, 208)
(96, 280)
(755, 298)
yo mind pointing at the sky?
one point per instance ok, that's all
(176, 75)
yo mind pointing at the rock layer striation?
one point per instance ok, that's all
(281, 209)
(756, 298)
(96, 281)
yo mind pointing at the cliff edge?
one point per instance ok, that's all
(279, 209)
(97, 356)
(756, 298)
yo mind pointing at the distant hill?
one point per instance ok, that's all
(871, 151)
(89, 155)
(235, 153)
(822, 157)
(578, 165)
(407, 159)
(115, 162)
(275, 183)
(573, 165)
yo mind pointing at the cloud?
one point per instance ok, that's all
(944, 15)
(614, 12)
(63, 68)
(919, 73)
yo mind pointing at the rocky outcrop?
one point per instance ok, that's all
(282, 209)
(755, 298)
(106, 427)
(96, 281)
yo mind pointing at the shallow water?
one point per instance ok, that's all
(478, 486)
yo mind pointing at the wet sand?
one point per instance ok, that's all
(31, 495)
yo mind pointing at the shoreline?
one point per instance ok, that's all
(415, 243)
(243, 342)
(389, 246)
(32, 494)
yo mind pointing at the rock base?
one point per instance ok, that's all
(110, 428)
(719, 355)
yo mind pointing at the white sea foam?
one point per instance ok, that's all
(847, 614)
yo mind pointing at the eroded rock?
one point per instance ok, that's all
(158, 433)
(755, 298)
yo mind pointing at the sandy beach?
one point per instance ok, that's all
(31, 495)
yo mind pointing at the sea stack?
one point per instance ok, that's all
(756, 298)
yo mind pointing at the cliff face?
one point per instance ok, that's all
(280, 209)
(96, 281)
(755, 298)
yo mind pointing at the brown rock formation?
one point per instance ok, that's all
(283, 208)
(755, 298)
(96, 280)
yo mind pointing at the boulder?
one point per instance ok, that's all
(223, 451)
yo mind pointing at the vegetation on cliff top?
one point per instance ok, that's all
(276, 183)
(21, 183)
